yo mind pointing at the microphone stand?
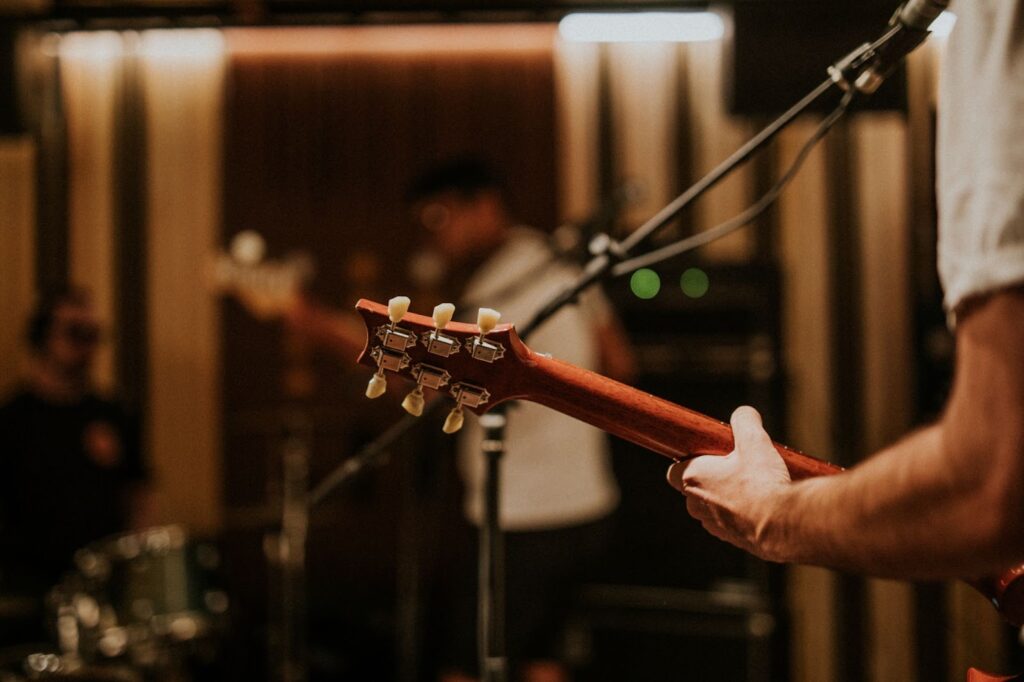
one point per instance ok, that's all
(291, 548)
(606, 253)
(491, 555)
(286, 548)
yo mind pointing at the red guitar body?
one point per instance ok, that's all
(974, 675)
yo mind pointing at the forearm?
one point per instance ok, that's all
(905, 503)
(951, 493)
(341, 333)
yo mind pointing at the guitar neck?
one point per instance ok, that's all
(648, 421)
(641, 418)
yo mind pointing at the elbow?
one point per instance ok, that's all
(990, 478)
(1003, 531)
(1009, 484)
(1010, 524)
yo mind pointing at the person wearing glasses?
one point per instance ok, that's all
(71, 467)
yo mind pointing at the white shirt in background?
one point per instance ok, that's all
(556, 471)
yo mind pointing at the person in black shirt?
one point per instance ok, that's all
(71, 469)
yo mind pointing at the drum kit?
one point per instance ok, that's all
(137, 606)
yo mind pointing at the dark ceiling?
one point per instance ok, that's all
(225, 12)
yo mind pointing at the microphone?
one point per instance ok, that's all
(873, 63)
(920, 14)
(571, 240)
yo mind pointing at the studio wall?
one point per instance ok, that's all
(310, 137)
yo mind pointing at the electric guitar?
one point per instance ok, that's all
(481, 366)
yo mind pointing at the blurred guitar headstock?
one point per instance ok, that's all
(267, 288)
(477, 365)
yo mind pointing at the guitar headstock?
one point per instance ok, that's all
(474, 364)
(267, 288)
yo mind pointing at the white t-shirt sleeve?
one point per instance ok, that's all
(981, 151)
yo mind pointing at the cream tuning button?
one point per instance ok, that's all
(443, 314)
(413, 403)
(397, 308)
(487, 320)
(436, 342)
(378, 384)
(394, 337)
(454, 421)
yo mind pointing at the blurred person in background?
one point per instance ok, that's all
(71, 468)
(558, 491)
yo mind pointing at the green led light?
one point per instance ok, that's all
(645, 283)
(695, 282)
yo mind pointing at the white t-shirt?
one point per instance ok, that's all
(981, 151)
(556, 471)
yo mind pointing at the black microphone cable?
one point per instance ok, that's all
(751, 213)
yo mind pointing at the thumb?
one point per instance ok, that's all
(747, 431)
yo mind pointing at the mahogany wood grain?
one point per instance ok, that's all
(642, 418)
(975, 675)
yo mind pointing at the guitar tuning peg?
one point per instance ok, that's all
(378, 384)
(248, 247)
(454, 420)
(397, 308)
(487, 320)
(413, 403)
(436, 342)
(443, 314)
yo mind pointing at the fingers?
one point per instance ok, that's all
(687, 476)
(696, 508)
(748, 435)
(747, 430)
(674, 476)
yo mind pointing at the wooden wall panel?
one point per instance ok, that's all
(90, 75)
(183, 79)
(578, 82)
(17, 253)
(807, 324)
(714, 135)
(325, 129)
(642, 79)
(881, 156)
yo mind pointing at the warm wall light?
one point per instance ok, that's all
(87, 47)
(158, 44)
(177, 45)
(943, 24)
(642, 27)
(407, 39)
